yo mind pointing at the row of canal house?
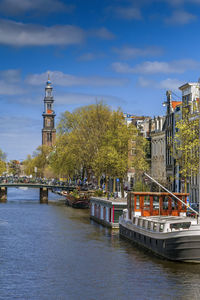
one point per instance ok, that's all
(160, 131)
(164, 166)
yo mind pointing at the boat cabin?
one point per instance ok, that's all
(162, 224)
(154, 204)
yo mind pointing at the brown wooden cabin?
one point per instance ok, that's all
(153, 204)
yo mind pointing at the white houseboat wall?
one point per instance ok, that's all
(107, 212)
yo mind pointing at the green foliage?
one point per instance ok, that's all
(186, 145)
(98, 193)
(3, 167)
(14, 167)
(96, 139)
(41, 159)
(29, 165)
(141, 187)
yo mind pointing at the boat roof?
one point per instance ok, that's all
(167, 219)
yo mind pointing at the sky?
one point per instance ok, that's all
(126, 53)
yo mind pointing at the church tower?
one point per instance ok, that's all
(48, 131)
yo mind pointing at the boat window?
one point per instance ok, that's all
(155, 202)
(137, 202)
(154, 226)
(141, 223)
(161, 227)
(174, 204)
(165, 203)
(146, 203)
(134, 218)
(149, 225)
(183, 205)
(132, 200)
(145, 224)
(177, 226)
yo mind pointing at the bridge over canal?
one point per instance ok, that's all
(44, 189)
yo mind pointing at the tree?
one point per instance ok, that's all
(29, 165)
(14, 167)
(83, 130)
(63, 159)
(97, 140)
(186, 145)
(41, 159)
(3, 167)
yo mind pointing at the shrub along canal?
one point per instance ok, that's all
(56, 252)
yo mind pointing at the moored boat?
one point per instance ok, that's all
(77, 202)
(174, 238)
(158, 222)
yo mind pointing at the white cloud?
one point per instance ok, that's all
(10, 82)
(18, 7)
(127, 52)
(125, 12)
(180, 18)
(85, 99)
(10, 75)
(10, 89)
(168, 83)
(14, 125)
(19, 136)
(102, 33)
(20, 34)
(91, 56)
(62, 79)
(87, 56)
(153, 67)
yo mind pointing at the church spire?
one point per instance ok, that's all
(48, 131)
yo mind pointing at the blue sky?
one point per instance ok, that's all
(124, 52)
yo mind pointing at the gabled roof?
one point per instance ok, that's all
(175, 104)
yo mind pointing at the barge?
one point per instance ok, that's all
(107, 211)
(158, 222)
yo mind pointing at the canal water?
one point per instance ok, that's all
(56, 252)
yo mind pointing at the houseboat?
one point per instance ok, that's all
(107, 211)
(158, 222)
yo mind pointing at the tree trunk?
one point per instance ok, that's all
(106, 184)
(122, 187)
(114, 184)
(99, 181)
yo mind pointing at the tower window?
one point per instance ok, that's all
(49, 137)
(48, 93)
(48, 122)
(49, 106)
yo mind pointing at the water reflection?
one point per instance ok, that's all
(56, 252)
